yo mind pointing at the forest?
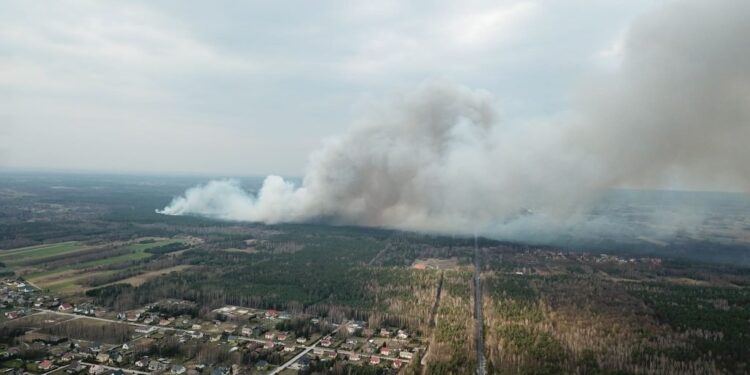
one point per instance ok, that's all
(594, 309)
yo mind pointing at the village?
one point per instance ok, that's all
(44, 334)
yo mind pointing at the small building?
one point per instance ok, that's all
(155, 365)
(65, 307)
(67, 357)
(326, 341)
(374, 360)
(402, 335)
(141, 363)
(46, 365)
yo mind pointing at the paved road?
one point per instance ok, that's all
(125, 370)
(57, 369)
(305, 351)
(478, 318)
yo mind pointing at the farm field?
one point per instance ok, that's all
(19, 256)
(68, 268)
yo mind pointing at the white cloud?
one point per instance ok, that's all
(263, 71)
(490, 26)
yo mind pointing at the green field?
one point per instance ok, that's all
(16, 256)
(67, 279)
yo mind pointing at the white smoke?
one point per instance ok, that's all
(438, 159)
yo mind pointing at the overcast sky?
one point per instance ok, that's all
(245, 88)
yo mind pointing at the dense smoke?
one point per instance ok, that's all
(439, 158)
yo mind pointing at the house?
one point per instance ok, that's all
(164, 322)
(116, 357)
(156, 366)
(354, 357)
(272, 314)
(45, 365)
(102, 358)
(268, 345)
(326, 341)
(178, 369)
(66, 357)
(397, 363)
(65, 307)
(75, 367)
(349, 345)
(289, 348)
(96, 369)
(385, 351)
(402, 335)
(384, 333)
(141, 363)
(282, 336)
(247, 331)
(301, 340)
(318, 351)
(374, 360)
(269, 336)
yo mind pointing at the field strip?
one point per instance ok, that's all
(139, 279)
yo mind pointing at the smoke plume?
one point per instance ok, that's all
(439, 159)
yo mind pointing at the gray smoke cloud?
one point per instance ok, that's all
(438, 158)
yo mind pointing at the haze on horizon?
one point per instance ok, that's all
(429, 117)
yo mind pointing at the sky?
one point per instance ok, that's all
(251, 88)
